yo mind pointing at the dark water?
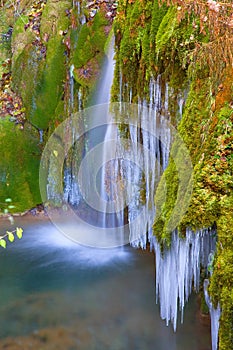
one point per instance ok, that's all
(106, 298)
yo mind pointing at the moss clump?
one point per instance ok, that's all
(19, 163)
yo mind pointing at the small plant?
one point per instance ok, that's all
(11, 236)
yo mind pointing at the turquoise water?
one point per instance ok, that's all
(48, 281)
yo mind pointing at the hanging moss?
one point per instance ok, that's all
(166, 30)
(165, 199)
(157, 16)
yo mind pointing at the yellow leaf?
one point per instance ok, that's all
(19, 232)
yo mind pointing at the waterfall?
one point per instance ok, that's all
(127, 148)
(178, 269)
(214, 316)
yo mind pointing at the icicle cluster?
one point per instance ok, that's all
(153, 157)
(178, 270)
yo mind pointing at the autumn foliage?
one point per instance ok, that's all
(215, 20)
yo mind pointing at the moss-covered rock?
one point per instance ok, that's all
(19, 164)
(49, 86)
(54, 18)
(24, 75)
(39, 69)
(88, 50)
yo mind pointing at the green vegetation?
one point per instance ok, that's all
(49, 86)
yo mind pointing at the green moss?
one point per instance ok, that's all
(158, 14)
(165, 200)
(40, 79)
(166, 29)
(49, 87)
(19, 163)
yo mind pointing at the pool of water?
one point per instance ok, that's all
(56, 294)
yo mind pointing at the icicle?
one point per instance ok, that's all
(71, 99)
(130, 95)
(180, 105)
(214, 316)
(155, 93)
(166, 99)
(78, 7)
(41, 133)
(80, 99)
(177, 270)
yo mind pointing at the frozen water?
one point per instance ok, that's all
(178, 270)
(214, 316)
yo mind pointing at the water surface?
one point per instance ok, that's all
(67, 296)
